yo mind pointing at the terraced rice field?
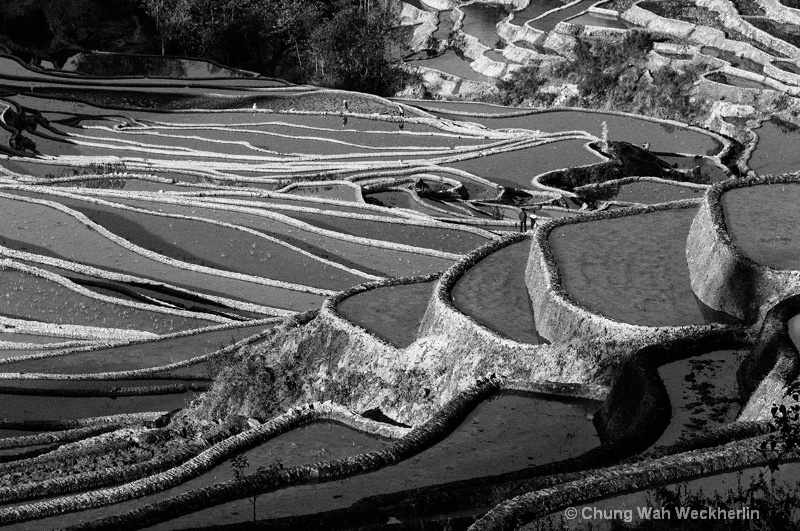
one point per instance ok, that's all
(480, 20)
(644, 284)
(702, 392)
(165, 253)
(493, 292)
(393, 313)
(462, 456)
(766, 236)
(651, 193)
(770, 155)
(516, 169)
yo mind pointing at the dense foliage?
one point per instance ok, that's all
(341, 44)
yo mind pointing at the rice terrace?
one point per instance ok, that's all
(399, 265)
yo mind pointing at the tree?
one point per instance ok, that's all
(351, 49)
(172, 18)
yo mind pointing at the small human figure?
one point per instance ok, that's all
(646, 146)
(344, 120)
(345, 105)
(523, 220)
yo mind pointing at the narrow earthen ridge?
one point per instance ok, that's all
(560, 319)
(722, 277)
(410, 444)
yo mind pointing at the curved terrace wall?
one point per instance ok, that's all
(558, 318)
(469, 348)
(722, 277)
(773, 363)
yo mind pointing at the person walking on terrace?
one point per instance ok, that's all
(523, 220)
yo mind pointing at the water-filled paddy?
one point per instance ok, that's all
(787, 66)
(702, 392)
(64, 236)
(447, 239)
(500, 435)
(516, 169)
(651, 193)
(534, 9)
(215, 246)
(549, 22)
(733, 59)
(138, 355)
(661, 136)
(480, 21)
(393, 313)
(30, 297)
(493, 292)
(38, 408)
(496, 55)
(602, 21)
(359, 256)
(339, 192)
(306, 444)
(631, 269)
(771, 155)
(740, 82)
(450, 63)
(445, 26)
(762, 222)
(728, 490)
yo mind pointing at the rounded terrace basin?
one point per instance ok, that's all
(663, 137)
(493, 292)
(702, 392)
(762, 221)
(393, 313)
(516, 169)
(501, 435)
(771, 155)
(632, 268)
